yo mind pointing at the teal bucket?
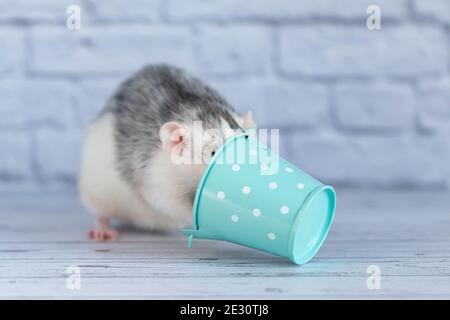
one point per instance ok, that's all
(251, 196)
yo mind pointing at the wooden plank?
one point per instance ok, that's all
(227, 287)
(168, 268)
(402, 234)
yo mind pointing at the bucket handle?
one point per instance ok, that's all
(190, 234)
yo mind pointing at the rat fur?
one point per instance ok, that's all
(127, 170)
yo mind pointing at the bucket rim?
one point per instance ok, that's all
(298, 217)
(201, 184)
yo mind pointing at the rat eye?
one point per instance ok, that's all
(213, 153)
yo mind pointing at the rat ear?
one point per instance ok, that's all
(172, 134)
(247, 121)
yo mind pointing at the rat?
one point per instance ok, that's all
(127, 168)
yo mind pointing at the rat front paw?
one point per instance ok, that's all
(103, 234)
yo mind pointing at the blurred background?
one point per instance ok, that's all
(357, 108)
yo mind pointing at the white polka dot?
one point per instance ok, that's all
(235, 218)
(221, 195)
(246, 190)
(284, 209)
(236, 167)
(273, 185)
(271, 236)
(264, 167)
(289, 170)
(300, 185)
(256, 212)
(253, 152)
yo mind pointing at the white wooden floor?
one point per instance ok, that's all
(406, 235)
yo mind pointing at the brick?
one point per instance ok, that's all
(91, 97)
(28, 103)
(385, 106)
(14, 187)
(403, 161)
(331, 51)
(234, 50)
(12, 44)
(434, 9)
(357, 9)
(31, 10)
(194, 10)
(15, 160)
(119, 10)
(279, 104)
(110, 50)
(433, 104)
(58, 153)
(191, 10)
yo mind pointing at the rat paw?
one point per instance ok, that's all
(103, 234)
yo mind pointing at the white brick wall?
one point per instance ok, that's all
(15, 162)
(333, 51)
(58, 153)
(276, 103)
(355, 107)
(106, 50)
(369, 106)
(438, 10)
(234, 50)
(12, 53)
(282, 10)
(433, 101)
(30, 102)
(122, 11)
(400, 161)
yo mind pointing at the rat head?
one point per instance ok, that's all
(191, 144)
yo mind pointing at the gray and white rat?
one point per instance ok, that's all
(127, 170)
